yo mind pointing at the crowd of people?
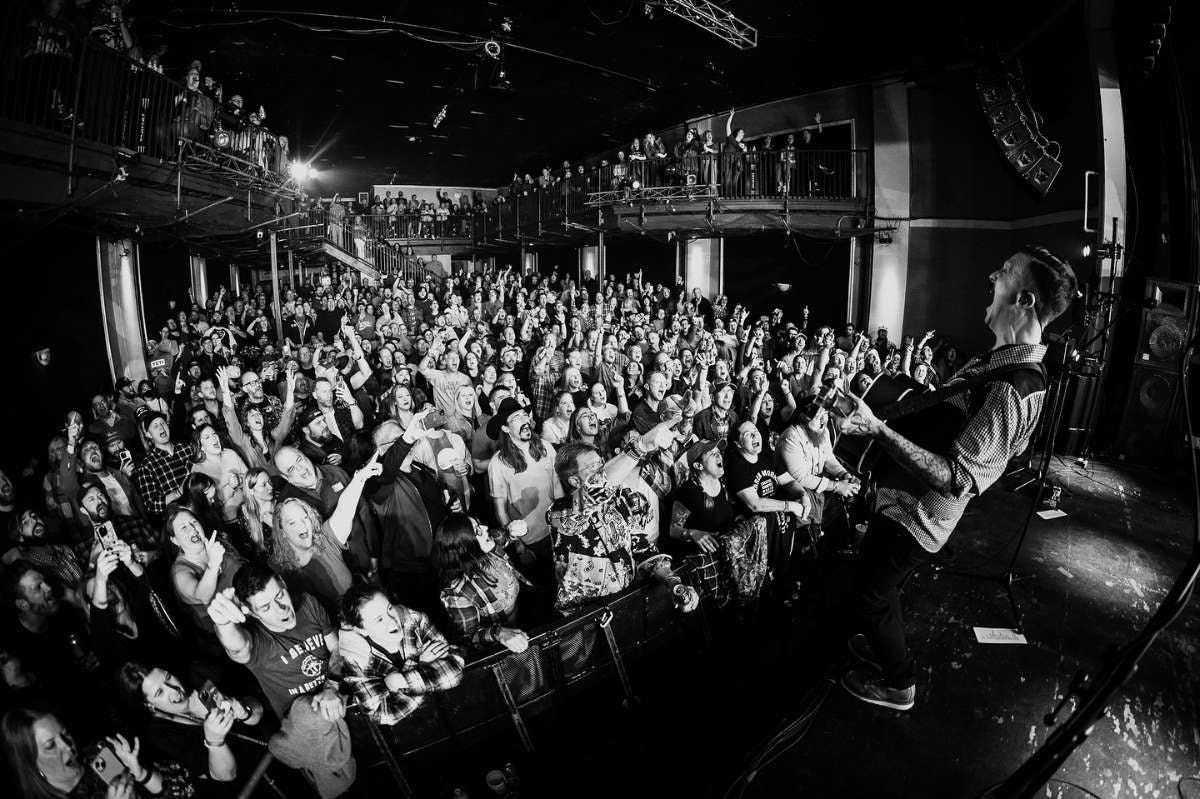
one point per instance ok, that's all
(266, 533)
(790, 164)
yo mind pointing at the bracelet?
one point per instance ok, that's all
(212, 745)
(145, 777)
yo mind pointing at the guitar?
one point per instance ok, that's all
(926, 418)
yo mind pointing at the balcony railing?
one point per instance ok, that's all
(56, 80)
(821, 175)
(418, 226)
(356, 235)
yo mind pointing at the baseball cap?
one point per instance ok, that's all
(122, 382)
(696, 452)
(310, 414)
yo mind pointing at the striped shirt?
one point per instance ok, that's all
(998, 430)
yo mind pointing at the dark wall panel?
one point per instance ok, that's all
(818, 272)
(656, 257)
(165, 276)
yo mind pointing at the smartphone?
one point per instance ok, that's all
(107, 535)
(207, 696)
(106, 765)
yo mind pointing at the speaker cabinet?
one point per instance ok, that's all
(1152, 429)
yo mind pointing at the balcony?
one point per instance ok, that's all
(84, 125)
(722, 194)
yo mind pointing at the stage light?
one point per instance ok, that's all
(492, 48)
(301, 172)
(1086, 250)
(221, 139)
(637, 184)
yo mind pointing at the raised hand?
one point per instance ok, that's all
(434, 650)
(225, 609)
(372, 468)
(107, 563)
(215, 549)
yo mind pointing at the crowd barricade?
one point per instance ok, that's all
(501, 690)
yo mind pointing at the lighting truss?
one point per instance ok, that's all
(652, 194)
(714, 19)
(202, 159)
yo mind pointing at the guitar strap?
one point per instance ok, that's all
(921, 402)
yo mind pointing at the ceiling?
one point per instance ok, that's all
(358, 94)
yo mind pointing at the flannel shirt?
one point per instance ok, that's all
(542, 388)
(160, 473)
(367, 667)
(484, 600)
(999, 429)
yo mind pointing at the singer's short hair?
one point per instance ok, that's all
(1053, 282)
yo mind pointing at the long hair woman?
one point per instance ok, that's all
(204, 564)
(479, 585)
(258, 509)
(224, 466)
(47, 763)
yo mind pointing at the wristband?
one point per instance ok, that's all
(212, 745)
(146, 776)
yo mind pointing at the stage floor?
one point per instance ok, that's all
(1087, 580)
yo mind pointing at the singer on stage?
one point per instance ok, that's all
(998, 396)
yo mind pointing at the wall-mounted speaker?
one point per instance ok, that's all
(1014, 126)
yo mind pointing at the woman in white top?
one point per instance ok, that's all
(557, 428)
(224, 466)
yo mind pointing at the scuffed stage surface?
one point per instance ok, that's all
(1086, 581)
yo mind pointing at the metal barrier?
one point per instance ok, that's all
(503, 688)
(355, 235)
(55, 80)
(418, 226)
(799, 174)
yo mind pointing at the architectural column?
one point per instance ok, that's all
(121, 307)
(893, 176)
(235, 280)
(704, 265)
(589, 262)
(199, 265)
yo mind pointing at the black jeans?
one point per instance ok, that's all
(889, 554)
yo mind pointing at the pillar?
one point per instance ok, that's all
(121, 307)
(589, 262)
(198, 265)
(235, 280)
(703, 265)
(291, 270)
(893, 177)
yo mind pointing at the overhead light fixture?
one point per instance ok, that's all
(491, 48)
(301, 171)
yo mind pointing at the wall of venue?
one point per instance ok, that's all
(969, 208)
(52, 299)
(817, 271)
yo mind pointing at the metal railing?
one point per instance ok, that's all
(418, 225)
(799, 174)
(56, 80)
(354, 235)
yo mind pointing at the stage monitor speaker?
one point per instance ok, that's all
(1167, 326)
(1152, 427)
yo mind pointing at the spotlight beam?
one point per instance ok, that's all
(714, 19)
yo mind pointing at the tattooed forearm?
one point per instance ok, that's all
(932, 469)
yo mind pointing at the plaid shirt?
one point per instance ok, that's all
(484, 600)
(367, 667)
(160, 473)
(998, 429)
(542, 387)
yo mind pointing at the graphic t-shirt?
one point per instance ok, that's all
(740, 474)
(295, 662)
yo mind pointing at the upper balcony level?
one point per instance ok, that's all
(793, 189)
(77, 118)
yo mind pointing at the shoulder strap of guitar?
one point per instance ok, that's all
(911, 405)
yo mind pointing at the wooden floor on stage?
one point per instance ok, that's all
(1086, 581)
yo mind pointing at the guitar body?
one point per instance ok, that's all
(860, 454)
